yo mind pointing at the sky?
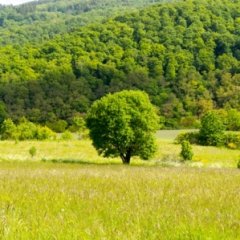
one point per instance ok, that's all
(14, 2)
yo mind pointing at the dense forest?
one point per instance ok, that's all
(184, 54)
(37, 21)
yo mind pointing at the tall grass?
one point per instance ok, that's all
(41, 198)
(59, 201)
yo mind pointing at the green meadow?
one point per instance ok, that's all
(64, 201)
(82, 151)
(66, 191)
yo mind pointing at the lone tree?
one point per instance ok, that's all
(123, 124)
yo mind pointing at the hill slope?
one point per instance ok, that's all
(41, 20)
(186, 55)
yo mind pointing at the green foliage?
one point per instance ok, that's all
(238, 165)
(192, 137)
(228, 139)
(9, 130)
(40, 20)
(44, 133)
(233, 120)
(78, 124)
(25, 130)
(123, 124)
(58, 126)
(3, 112)
(230, 118)
(232, 140)
(189, 122)
(212, 130)
(184, 54)
(33, 151)
(186, 152)
(66, 136)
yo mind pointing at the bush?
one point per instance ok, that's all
(33, 151)
(66, 136)
(171, 123)
(232, 140)
(186, 152)
(238, 165)
(9, 130)
(189, 122)
(25, 130)
(78, 124)
(192, 137)
(58, 126)
(212, 130)
(44, 133)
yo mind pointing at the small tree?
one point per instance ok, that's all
(43, 133)
(9, 130)
(123, 124)
(212, 129)
(233, 120)
(33, 151)
(186, 153)
(27, 130)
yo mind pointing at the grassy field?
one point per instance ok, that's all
(76, 151)
(46, 197)
(203, 156)
(64, 201)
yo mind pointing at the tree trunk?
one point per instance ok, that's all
(126, 157)
(126, 160)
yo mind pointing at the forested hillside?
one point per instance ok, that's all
(185, 55)
(40, 20)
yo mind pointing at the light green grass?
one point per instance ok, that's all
(82, 151)
(49, 150)
(63, 201)
(203, 156)
(170, 135)
(101, 199)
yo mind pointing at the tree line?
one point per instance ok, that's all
(185, 55)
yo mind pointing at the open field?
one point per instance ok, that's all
(75, 151)
(45, 198)
(62, 201)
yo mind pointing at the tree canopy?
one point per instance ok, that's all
(184, 54)
(212, 129)
(40, 20)
(123, 124)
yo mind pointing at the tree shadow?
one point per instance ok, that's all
(79, 162)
